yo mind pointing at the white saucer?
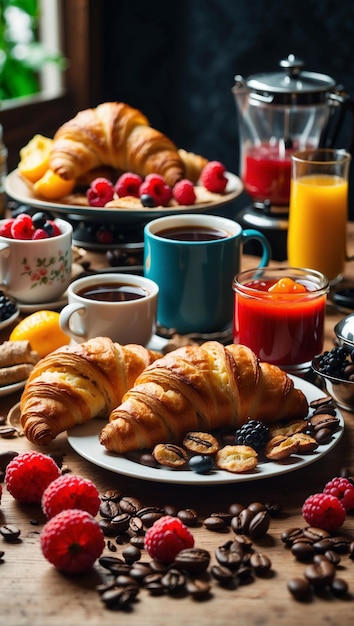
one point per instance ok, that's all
(25, 307)
(7, 389)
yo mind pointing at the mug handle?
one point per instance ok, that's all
(251, 233)
(5, 252)
(65, 317)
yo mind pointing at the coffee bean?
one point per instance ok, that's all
(120, 522)
(235, 509)
(110, 561)
(241, 543)
(222, 574)
(198, 588)
(109, 509)
(138, 541)
(299, 588)
(226, 557)
(214, 523)
(340, 544)
(303, 549)
(288, 536)
(107, 528)
(321, 574)
(171, 510)
(240, 523)
(6, 457)
(139, 571)
(260, 563)
(315, 534)
(111, 494)
(224, 516)
(315, 404)
(244, 573)
(10, 532)
(259, 525)
(321, 546)
(8, 432)
(323, 436)
(256, 507)
(136, 526)
(189, 517)
(119, 597)
(195, 560)
(339, 587)
(130, 505)
(173, 580)
(131, 554)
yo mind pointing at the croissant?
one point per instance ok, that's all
(73, 384)
(200, 388)
(116, 135)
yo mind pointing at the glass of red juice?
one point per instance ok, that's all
(279, 314)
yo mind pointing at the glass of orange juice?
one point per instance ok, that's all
(318, 211)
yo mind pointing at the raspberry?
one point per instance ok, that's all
(324, 511)
(70, 492)
(343, 489)
(253, 433)
(128, 184)
(22, 227)
(72, 541)
(40, 233)
(155, 187)
(166, 538)
(5, 228)
(184, 193)
(100, 192)
(28, 475)
(213, 177)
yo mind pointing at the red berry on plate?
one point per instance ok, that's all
(166, 538)
(184, 192)
(128, 184)
(28, 474)
(154, 186)
(72, 541)
(70, 492)
(324, 511)
(100, 192)
(213, 177)
(22, 227)
(343, 489)
(5, 228)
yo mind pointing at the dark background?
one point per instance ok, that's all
(176, 61)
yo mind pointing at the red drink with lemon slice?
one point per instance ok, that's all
(279, 314)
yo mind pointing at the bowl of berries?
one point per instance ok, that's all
(336, 369)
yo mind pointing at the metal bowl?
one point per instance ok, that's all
(341, 390)
(344, 331)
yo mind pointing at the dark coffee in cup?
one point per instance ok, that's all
(193, 233)
(112, 292)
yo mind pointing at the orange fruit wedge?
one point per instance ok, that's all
(34, 158)
(51, 186)
(287, 285)
(42, 330)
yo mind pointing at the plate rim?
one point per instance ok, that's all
(115, 215)
(120, 465)
(7, 389)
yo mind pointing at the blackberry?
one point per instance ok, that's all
(7, 307)
(254, 434)
(335, 362)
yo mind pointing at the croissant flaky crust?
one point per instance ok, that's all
(200, 388)
(73, 384)
(117, 135)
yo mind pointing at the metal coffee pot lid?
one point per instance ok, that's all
(291, 86)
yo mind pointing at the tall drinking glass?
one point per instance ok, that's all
(318, 211)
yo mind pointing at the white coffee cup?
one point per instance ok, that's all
(36, 271)
(125, 321)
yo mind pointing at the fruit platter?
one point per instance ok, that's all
(110, 161)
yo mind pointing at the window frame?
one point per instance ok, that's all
(81, 24)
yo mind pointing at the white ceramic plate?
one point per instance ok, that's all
(48, 306)
(17, 188)
(84, 440)
(10, 320)
(5, 391)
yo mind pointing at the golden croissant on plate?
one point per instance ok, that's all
(117, 135)
(200, 388)
(75, 383)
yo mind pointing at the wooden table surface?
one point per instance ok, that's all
(33, 593)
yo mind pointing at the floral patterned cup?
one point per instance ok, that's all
(37, 271)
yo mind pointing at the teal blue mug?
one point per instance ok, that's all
(193, 258)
